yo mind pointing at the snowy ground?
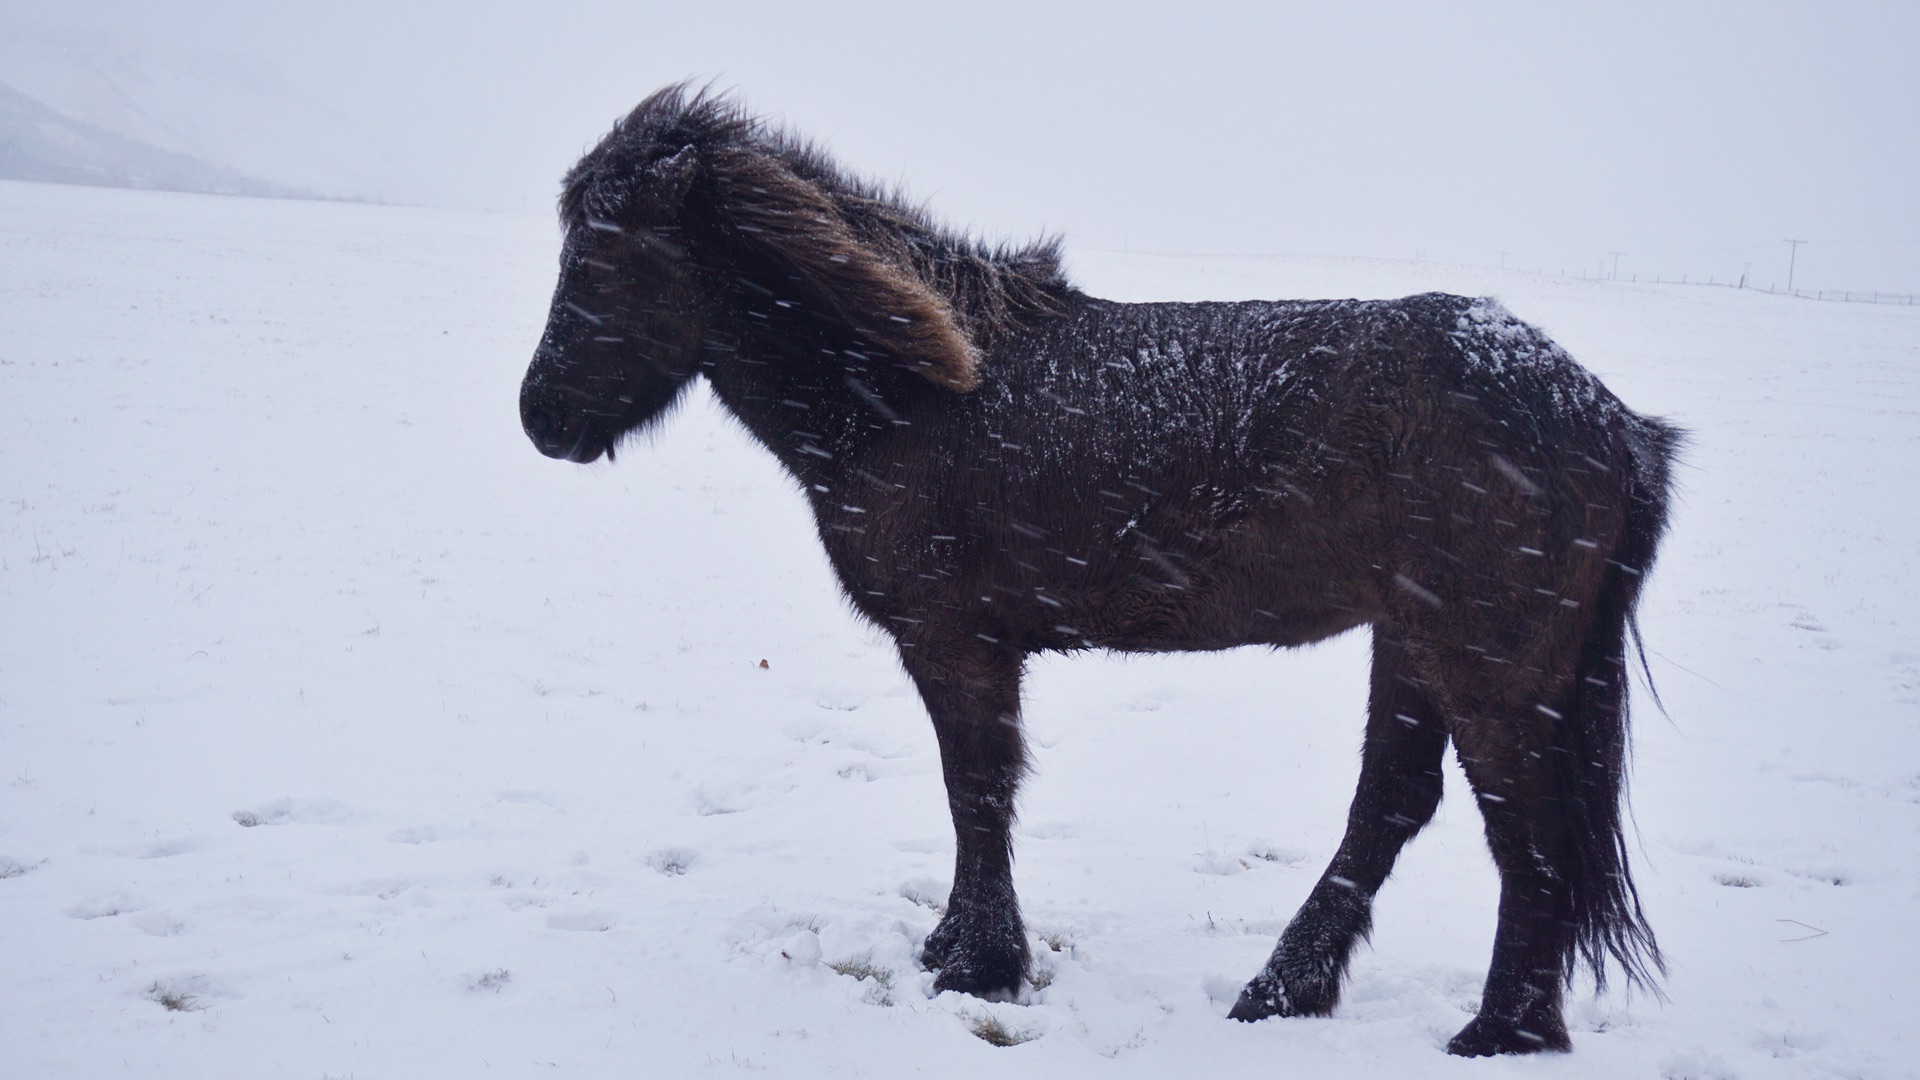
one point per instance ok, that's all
(380, 746)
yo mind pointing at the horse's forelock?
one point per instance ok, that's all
(671, 119)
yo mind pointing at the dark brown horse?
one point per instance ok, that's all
(1001, 465)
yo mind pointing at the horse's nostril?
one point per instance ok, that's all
(557, 430)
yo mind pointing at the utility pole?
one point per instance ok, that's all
(1503, 259)
(1792, 255)
(1615, 276)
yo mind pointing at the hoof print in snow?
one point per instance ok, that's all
(710, 804)
(537, 800)
(104, 907)
(293, 812)
(1696, 1065)
(159, 924)
(1825, 875)
(1219, 865)
(587, 921)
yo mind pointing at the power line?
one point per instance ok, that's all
(1791, 257)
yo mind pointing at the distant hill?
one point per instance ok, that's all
(38, 143)
(230, 122)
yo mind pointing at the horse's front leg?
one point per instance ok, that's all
(972, 692)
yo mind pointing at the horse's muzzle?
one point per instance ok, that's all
(558, 426)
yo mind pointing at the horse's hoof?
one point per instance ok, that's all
(933, 954)
(972, 959)
(990, 979)
(1486, 1036)
(1261, 998)
(1270, 995)
(1267, 996)
(987, 988)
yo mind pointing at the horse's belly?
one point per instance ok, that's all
(1197, 618)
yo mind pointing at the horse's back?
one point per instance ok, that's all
(1209, 474)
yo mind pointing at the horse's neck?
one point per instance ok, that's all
(797, 406)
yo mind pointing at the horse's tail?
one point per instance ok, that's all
(1591, 742)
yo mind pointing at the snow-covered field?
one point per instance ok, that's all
(376, 745)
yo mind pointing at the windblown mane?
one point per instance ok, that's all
(933, 295)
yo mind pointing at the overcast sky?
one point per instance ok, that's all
(1691, 137)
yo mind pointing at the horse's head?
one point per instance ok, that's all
(623, 334)
(691, 171)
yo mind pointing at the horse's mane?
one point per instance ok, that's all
(931, 293)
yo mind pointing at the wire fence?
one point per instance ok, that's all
(1849, 296)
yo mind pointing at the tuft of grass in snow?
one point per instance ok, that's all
(862, 969)
(173, 998)
(1737, 881)
(493, 980)
(925, 899)
(11, 868)
(990, 1030)
(673, 862)
(1266, 852)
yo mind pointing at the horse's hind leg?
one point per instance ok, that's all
(972, 692)
(1398, 792)
(1507, 760)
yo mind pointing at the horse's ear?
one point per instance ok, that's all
(673, 176)
(876, 290)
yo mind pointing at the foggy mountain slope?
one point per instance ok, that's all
(236, 113)
(341, 733)
(37, 143)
